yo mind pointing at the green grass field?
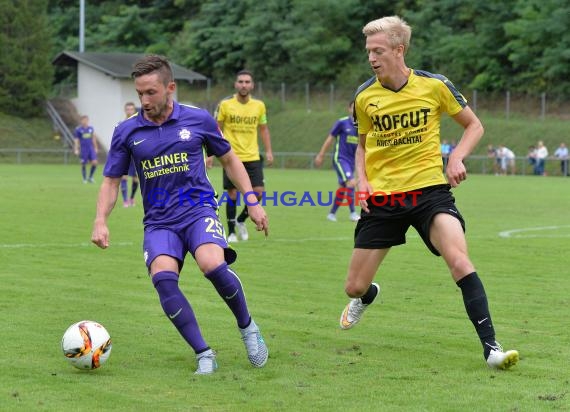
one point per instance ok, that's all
(415, 349)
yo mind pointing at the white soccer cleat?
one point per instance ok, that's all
(206, 363)
(257, 351)
(242, 231)
(354, 217)
(498, 359)
(232, 238)
(331, 217)
(354, 310)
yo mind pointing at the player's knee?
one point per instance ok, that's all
(460, 265)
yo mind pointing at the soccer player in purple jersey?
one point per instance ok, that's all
(344, 135)
(86, 147)
(169, 143)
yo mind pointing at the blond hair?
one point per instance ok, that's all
(397, 30)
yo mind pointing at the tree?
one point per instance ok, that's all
(25, 67)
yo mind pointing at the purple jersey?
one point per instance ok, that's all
(85, 136)
(170, 162)
(346, 141)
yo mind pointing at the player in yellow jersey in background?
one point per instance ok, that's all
(241, 117)
(401, 178)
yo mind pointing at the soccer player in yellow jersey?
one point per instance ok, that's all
(241, 117)
(401, 181)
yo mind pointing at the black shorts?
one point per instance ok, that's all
(255, 172)
(390, 217)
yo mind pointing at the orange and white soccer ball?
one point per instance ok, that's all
(86, 344)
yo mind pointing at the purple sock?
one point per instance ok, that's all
(178, 309)
(124, 189)
(338, 200)
(229, 287)
(351, 195)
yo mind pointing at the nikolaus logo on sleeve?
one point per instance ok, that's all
(184, 134)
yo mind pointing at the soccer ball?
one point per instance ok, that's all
(86, 344)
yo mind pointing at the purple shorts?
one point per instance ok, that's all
(344, 170)
(203, 227)
(88, 154)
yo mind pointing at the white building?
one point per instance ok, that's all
(104, 85)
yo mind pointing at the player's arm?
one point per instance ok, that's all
(76, 146)
(96, 143)
(105, 203)
(362, 186)
(472, 133)
(210, 159)
(239, 177)
(325, 147)
(266, 139)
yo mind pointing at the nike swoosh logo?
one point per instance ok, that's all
(138, 142)
(232, 296)
(481, 321)
(176, 314)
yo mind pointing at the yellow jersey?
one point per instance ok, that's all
(402, 128)
(240, 125)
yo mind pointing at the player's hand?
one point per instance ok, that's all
(268, 158)
(455, 171)
(76, 152)
(100, 235)
(209, 162)
(318, 160)
(364, 189)
(258, 216)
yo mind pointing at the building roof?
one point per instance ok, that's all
(119, 65)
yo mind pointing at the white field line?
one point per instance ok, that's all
(524, 232)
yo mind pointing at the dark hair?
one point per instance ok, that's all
(247, 72)
(153, 63)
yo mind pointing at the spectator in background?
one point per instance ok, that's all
(506, 159)
(86, 147)
(130, 110)
(452, 146)
(531, 156)
(561, 153)
(445, 152)
(541, 155)
(492, 154)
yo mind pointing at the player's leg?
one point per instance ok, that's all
(124, 184)
(208, 246)
(231, 207)
(134, 188)
(83, 159)
(351, 184)
(93, 166)
(359, 286)
(374, 235)
(134, 183)
(164, 265)
(255, 172)
(447, 237)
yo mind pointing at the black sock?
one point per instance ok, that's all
(243, 215)
(477, 308)
(135, 186)
(231, 216)
(370, 295)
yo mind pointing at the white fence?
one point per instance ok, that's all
(479, 164)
